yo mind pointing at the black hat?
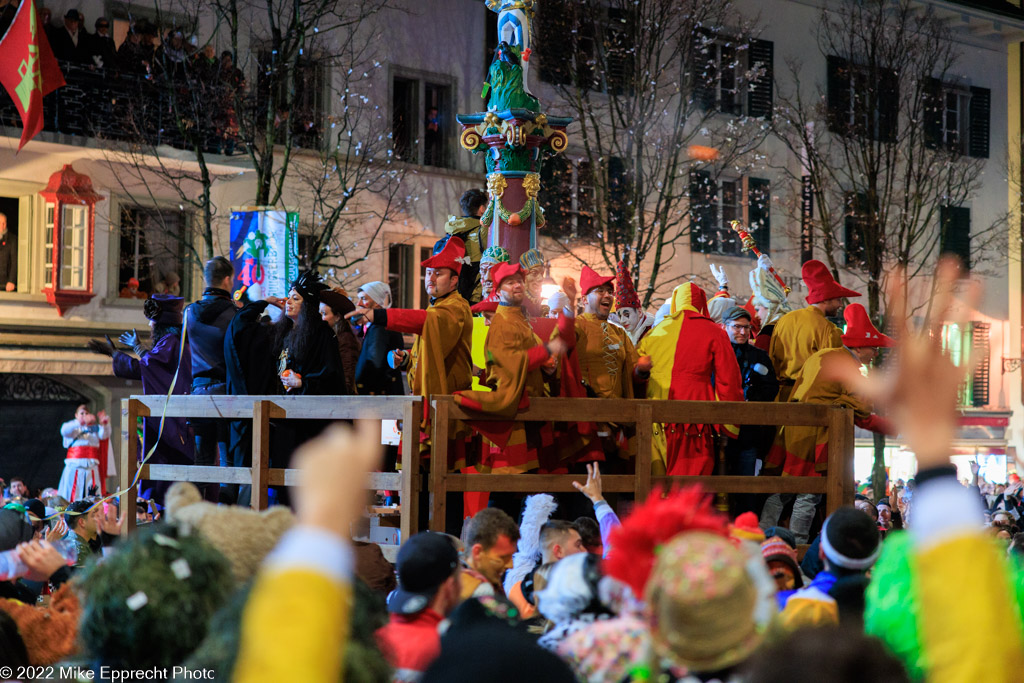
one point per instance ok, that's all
(735, 313)
(35, 508)
(72, 14)
(164, 309)
(424, 562)
(339, 303)
(309, 286)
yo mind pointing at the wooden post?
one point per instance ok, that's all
(129, 462)
(258, 499)
(839, 483)
(439, 462)
(410, 493)
(644, 433)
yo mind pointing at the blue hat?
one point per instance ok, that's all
(424, 562)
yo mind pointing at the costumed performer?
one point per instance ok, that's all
(82, 437)
(631, 316)
(802, 451)
(801, 333)
(158, 367)
(691, 360)
(768, 301)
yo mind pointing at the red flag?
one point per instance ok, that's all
(28, 70)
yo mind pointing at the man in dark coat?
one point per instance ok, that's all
(374, 377)
(8, 258)
(206, 323)
(759, 384)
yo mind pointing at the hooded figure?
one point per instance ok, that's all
(158, 368)
(692, 360)
(769, 301)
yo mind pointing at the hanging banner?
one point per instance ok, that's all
(264, 251)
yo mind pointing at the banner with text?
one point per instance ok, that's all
(264, 251)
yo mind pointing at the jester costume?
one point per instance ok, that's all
(514, 356)
(692, 360)
(440, 359)
(801, 333)
(627, 298)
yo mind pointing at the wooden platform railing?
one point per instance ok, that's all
(261, 410)
(837, 485)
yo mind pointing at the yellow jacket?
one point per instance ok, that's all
(297, 619)
(798, 335)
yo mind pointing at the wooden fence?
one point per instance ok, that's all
(261, 410)
(837, 485)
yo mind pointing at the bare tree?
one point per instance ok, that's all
(645, 80)
(884, 145)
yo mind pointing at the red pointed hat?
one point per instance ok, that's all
(625, 292)
(589, 278)
(503, 271)
(452, 256)
(821, 286)
(860, 332)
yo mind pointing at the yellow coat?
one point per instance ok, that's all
(798, 335)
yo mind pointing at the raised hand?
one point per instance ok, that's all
(129, 338)
(720, 277)
(106, 348)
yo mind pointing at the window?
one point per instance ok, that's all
(48, 267)
(964, 343)
(307, 114)
(721, 83)
(570, 34)
(74, 260)
(862, 101)
(855, 227)
(567, 195)
(713, 204)
(422, 134)
(957, 118)
(955, 237)
(151, 249)
(406, 275)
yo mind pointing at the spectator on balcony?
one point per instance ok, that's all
(171, 284)
(132, 56)
(8, 257)
(433, 139)
(171, 57)
(131, 290)
(104, 52)
(70, 43)
(231, 86)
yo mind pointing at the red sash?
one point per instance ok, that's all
(83, 453)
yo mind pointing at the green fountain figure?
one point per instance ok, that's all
(505, 82)
(514, 19)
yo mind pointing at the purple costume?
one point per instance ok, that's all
(156, 369)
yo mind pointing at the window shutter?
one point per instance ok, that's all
(856, 211)
(981, 104)
(838, 94)
(618, 195)
(556, 195)
(759, 212)
(956, 232)
(888, 104)
(702, 211)
(706, 72)
(759, 95)
(555, 22)
(980, 376)
(932, 115)
(619, 50)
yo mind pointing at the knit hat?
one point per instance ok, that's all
(860, 332)
(495, 254)
(718, 305)
(339, 303)
(821, 286)
(703, 601)
(590, 278)
(504, 271)
(164, 309)
(309, 286)
(849, 539)
(452, 256)
(776, 549)
(745, 528)
(379, 291)
(608, 650)
(532, 259)
(767, 292)
(625, 292)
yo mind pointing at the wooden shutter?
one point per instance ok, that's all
(932, 114)
(856, 212)
(702, 211)
(555, 23)
(556, 195)
(981, 105)
(759, 94)
(955, 223)
(980, 353)
(888, 105)
(705, 79)
(618, 195)
(759, 212)
(619, 49)
(838, 94)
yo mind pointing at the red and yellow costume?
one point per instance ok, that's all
(440, 360)
(800, 334)
(514, 356)
(802, 451)
(692, 360)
